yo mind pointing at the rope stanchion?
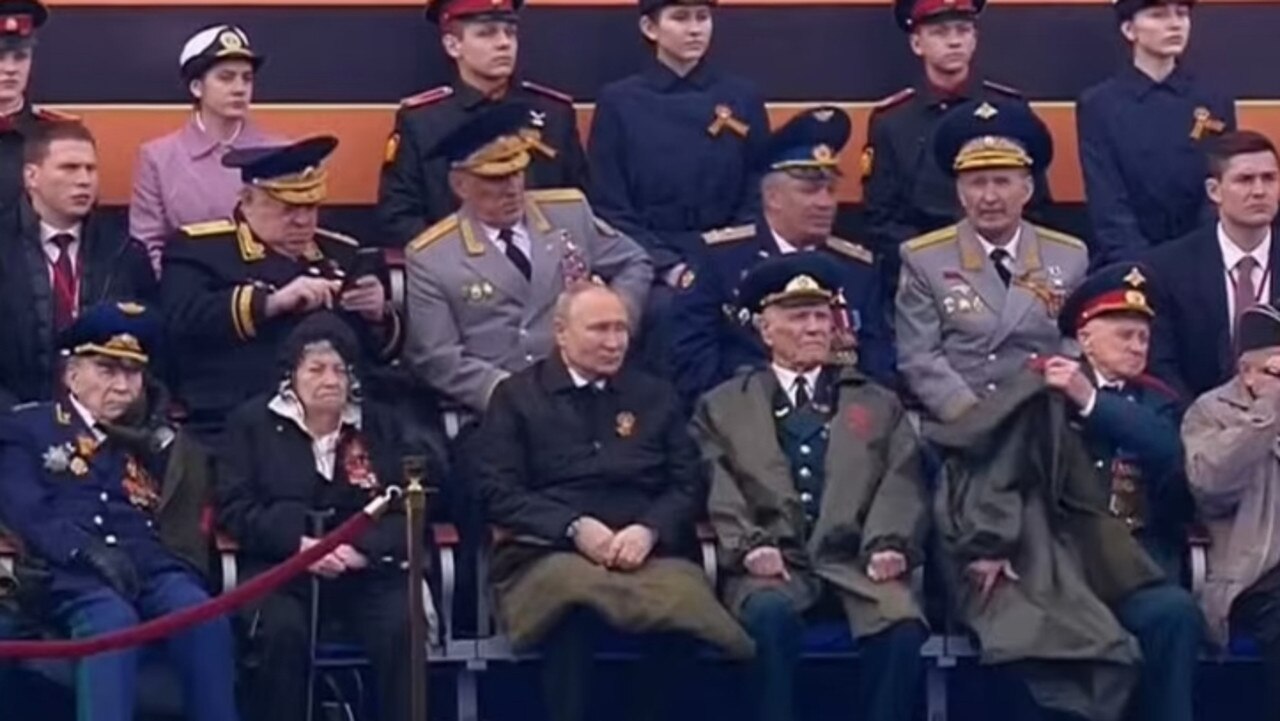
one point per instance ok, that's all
(167, 625)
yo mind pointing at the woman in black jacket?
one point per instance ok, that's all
(314, 449)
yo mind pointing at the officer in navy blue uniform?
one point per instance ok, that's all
(713, 335)
(1129, 422)
(1142, 135)
(676, 151)
(84, 504)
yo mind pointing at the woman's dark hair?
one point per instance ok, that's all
(318, 327)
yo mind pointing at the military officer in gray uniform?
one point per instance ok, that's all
(979, 300)
(482, 283)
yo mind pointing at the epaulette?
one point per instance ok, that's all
(56, 116)
(1147, 380)
(334, 235)
(209, 227)
(897, 98)
(426, 97)
(731, 233)
(557, 195)
(1007, 90)
(1059, 237)
(434, 233)
(24, 406)
(851, 249)
(549, 92)
(927, 240)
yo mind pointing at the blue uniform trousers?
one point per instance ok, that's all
(106, 684)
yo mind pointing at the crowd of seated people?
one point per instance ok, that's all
(631, 339)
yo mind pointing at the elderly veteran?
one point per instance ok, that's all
(482, 283)
(1128, 421)
(817, 496)
(978, 299)
(84, 504)
(233, 289)
(590, 467)
(1230, 434)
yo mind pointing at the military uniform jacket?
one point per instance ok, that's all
(672, 157)
(111, 267)
(214, 289)
(713, 337)
(414, 191)
(63, 490)
(474, 318)
(1142, 153)
(961, 332)
(14, 130)
(905, 191)
(872, 497)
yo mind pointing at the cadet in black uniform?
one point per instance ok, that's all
(19, 20)
(906, 193)
(233, 289)
(481, 37)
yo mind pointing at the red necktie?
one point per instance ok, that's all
(64, 282)
(1246, 294)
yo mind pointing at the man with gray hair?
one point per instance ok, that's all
(1230, 435)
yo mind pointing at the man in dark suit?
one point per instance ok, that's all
(1205, 280)
(58, 257)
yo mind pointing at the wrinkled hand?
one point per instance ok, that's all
(593, 540)
(766, 562)
(302, 295)
(366, 298)
(986, 573)
(886, 566)
(328, 567)
(630, 547)
(352, 559)
(1064, 374)
(114, 567)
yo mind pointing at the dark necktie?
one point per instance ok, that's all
(1000, 257)
(514, 254)
(802, 392)
(1246, 294)
(64, 282)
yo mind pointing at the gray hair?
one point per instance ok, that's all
(570, 295)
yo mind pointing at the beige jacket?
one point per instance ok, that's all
(1233, 463)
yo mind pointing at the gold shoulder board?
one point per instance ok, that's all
(210, 227)
(1060, 237)
(851, 249)
(557, 195)
(729, 234)
(927, 240)
(434, 233)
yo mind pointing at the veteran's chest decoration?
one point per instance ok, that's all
(139, 488)
(70, 457)
(1048, 290)
(357, 465)
(479, 291)
(960, 298)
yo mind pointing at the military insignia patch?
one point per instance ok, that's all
(537, 119)
(626, 424)
(392, 149)
(986, 111)
(724, 119)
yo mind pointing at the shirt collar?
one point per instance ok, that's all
(784, 247)
(1011, 246)
(580, 381)
(48, 231)
(517, 232)
(286, 404)
(1139, 83)
(934, 95)
(663, 78)
(87, 418)
(787, 379)
(1101, 381)
(1232, 254)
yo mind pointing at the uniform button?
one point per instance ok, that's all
(97, 520)
(804, 450)
(103, 497)
(991, 357)
(150, 524)
(1035, 356)
(1098, 464)
(528, 357)
(805, 473)
(991, 387)
(524, 331)
(110, 539)
(806, 498)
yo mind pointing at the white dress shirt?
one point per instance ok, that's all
(51, 250)
(1231, 256)
(519, 236)
(87, 417)
(1100, 383)
(1011, 247)
(580, 381)
(783, 246)
(787, 379)
(325, 448)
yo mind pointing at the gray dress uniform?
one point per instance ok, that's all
(475, 319)
(961, 332)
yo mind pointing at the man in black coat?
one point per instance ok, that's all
(57, 257)
(1206, 280)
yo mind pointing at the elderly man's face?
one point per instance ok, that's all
(496, 202)
(107, 387)
(1116, 345)
(801, 208)
(593, 333)
(322, 380)
(798, 336)
(993, 199)
(286, 228)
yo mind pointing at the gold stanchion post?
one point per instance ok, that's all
(415, 505)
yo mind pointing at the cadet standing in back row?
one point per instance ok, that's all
(907, 193)
(482, 39)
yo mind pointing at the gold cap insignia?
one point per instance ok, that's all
(1135, 278)
(822, 153)
(986, 111)
(1135, 299)
(229, 40)
(131, 308)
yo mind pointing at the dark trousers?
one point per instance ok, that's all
(568, 662)
(1256, 612)
(204, 656)
(373, 607)
(890, 669)
(1170, 629)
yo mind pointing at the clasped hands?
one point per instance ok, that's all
(340, 560)
(624, 550)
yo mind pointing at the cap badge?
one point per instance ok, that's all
(822, 153)
(802, 284)
(229, 40)
(823, 116)
(1135, 278)
(986, 111)
(130, 308)
(1135, 299)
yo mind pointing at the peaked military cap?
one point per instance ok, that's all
(442, 12)
(911, 14)
(127, 331)
(19, 20)
(493, 143)
(290, 173)
(983, 134)
(653, 6)
(811, 140)
(803, 277)
(1117, 288)
(214, 45)
(1259, 328)
(1126, 9)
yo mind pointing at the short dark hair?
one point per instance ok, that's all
(36, 147)
(1222, 149)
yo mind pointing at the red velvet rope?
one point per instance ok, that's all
(170, 624)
